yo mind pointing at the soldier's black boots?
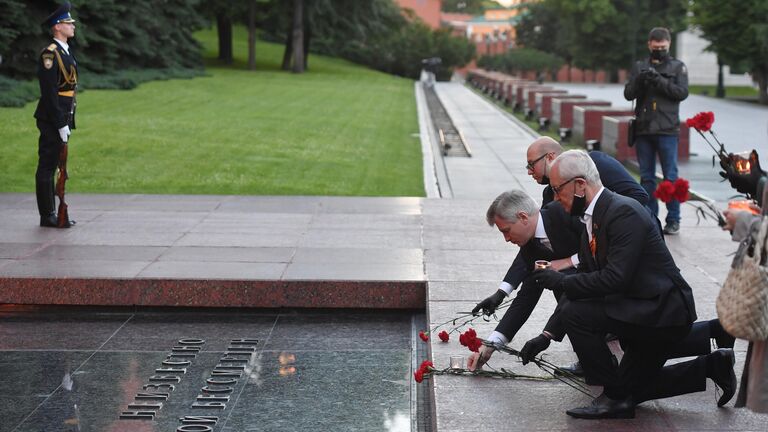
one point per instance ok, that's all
(46, 204)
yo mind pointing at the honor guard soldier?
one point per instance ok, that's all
(55, 113)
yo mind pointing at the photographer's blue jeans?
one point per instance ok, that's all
(665, 146)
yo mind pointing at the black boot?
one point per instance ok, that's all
(46, 202)
(720, 370)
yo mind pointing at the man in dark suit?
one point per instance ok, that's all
(628, 285)
(546, 234)
(55, 113)
(541, 153)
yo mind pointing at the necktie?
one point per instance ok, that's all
(593, 244)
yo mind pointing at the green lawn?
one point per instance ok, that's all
(338, 129)
(733, 91)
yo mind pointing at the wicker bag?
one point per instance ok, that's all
(742, 304)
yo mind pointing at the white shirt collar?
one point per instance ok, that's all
(63, 45)
(591, 208)
(540, 231)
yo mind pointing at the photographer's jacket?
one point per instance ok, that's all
(57, 73)
(658, 96)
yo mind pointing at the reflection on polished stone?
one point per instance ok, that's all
(81, 369)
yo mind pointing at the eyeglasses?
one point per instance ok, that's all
(557, 189)
(530, 164)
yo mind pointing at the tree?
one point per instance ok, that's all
(111, 35)
(608, 34)
(738, 33)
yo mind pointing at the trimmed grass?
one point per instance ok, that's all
(338, 129)
(734, 91)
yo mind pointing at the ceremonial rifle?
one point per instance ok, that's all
(63, 215)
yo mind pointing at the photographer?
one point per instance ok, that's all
(658, 84)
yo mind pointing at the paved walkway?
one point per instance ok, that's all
(232, 243)
(701, 251)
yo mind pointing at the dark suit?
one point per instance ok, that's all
(614, 177)
(631, 288)
(57, 75)
(564, 240)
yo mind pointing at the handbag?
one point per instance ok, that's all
(631, 132)
(742, 304)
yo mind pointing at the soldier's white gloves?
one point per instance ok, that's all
(64, 133)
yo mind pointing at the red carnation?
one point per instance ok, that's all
(443, 335)
(469, 339)
(702, 121)
(681, 190)
(426, 365)
(665, 191)
(423, 336)
(418, 376)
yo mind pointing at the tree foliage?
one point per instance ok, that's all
(111, 35)
(521, 59)
(607, 34)
(738, 34)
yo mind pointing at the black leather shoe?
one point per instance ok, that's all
(722, 374)
(572, 369)
(603, 407)
(49, 221)
(53, 222)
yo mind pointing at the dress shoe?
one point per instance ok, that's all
(572, 369)
(51, 221)
(603, 407)
(720, 370)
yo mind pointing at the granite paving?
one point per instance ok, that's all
(433, 253)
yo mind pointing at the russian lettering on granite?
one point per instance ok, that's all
(146, 405)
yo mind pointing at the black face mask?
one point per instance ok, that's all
(659, 54)
(579, 205)
(545, 179)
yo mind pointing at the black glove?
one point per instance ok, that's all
(490, 304)
(650, 76)
(548, 279)
(533, 347)
(746, 184)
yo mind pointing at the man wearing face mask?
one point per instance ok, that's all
(629, 285)
(658, 84)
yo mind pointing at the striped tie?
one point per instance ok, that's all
(593, 245)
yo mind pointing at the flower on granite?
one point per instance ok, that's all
(443, 335)
(667, 191)
(418, 376)
(469, 339)
(425, 368)
(702, 121)
(423, 336)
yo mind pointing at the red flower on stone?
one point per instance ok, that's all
(681, 190)
(418, 376)
(665, 191)
(425, 368)
(423, 336)
(702, 121)
(469, 339)
(443, 335)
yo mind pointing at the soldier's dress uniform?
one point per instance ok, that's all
(57, 74)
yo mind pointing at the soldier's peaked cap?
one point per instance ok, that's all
(61, 15)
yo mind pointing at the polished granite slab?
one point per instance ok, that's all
(82, 369)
